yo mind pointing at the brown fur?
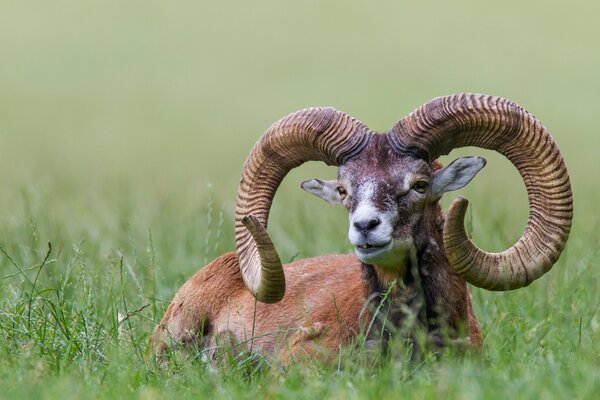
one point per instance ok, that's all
(320, 311)
(325, 296)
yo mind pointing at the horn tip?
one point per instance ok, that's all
(249, 220)
(460, 203)
(252, 223)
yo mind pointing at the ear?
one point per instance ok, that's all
(327, 190)
(456, 175)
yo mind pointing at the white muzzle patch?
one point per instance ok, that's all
(373, 242)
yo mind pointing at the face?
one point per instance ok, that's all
(386, 195)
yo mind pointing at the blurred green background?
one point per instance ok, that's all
(160, 95)
(119, 108)
(115, 111)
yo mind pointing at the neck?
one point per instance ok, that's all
(395, 298)
(389, 275)
(422, 293)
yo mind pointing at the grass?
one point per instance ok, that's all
(63, 329)
(123, 129)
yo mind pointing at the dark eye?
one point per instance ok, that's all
(341, 191)
(421, 186)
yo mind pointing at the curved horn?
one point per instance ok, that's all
(314, 134)
(497, 124)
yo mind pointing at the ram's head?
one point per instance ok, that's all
(388, 181)
(388, 196)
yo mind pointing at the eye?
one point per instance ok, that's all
(421, 186)
(341, 191)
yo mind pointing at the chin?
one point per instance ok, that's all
(394, 255)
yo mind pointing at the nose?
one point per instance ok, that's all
(366, 224)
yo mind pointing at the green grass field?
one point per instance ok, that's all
(123, 130)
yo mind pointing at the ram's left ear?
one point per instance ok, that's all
(456, 175)
(326, 190)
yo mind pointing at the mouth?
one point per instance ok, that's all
(367, 246)
(365, 250)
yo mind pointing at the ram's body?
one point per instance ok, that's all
(391, 185)
(325, 306)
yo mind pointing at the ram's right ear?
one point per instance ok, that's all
(330, 191)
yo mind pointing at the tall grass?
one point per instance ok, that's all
(123, 129)
(76, 318)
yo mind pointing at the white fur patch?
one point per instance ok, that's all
(366, 210)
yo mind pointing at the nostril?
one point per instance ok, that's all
(367, 224)
(373, 223)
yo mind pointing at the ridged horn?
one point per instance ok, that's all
(313, 134)
(497, 124)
